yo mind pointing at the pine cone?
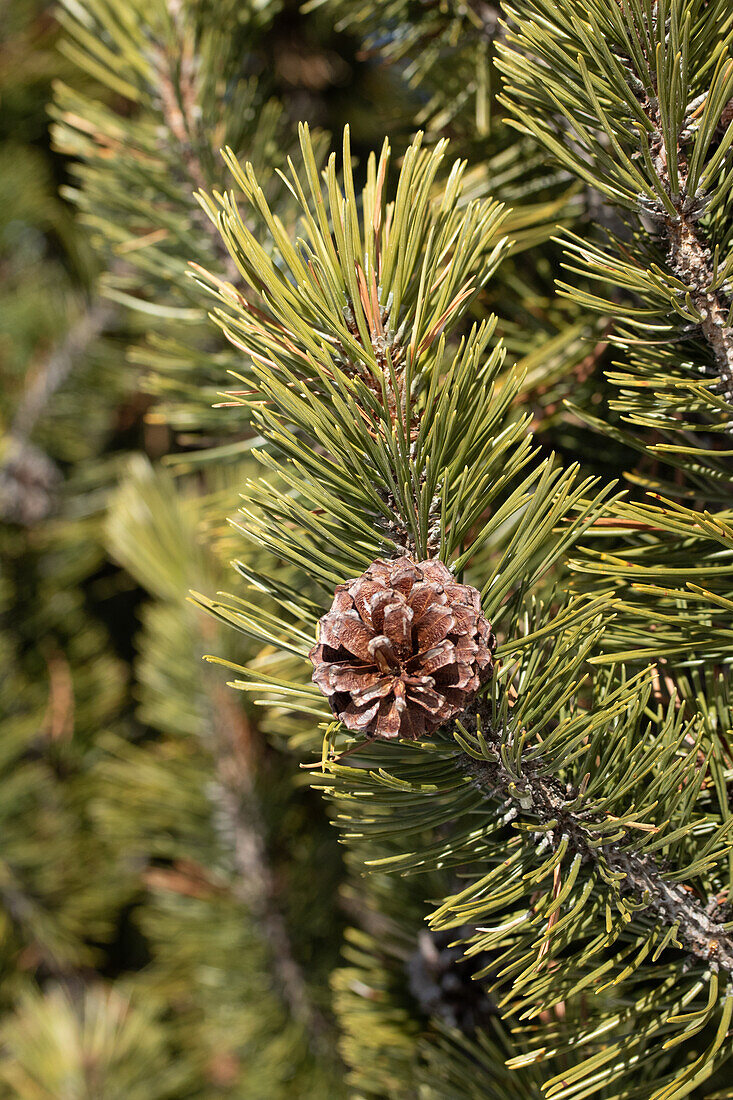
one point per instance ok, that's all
(403, 649)
(441, 979)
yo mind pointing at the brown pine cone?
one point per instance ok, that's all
(403, 649)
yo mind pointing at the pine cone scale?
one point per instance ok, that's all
(433, 659)
(422, 595)
(370, 601)
(359, 717)
(398, 625)
(403, 649)
(363, 680)
(436, 623)
(351, 633)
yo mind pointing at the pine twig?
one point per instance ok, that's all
(23, 910)
(255, 887)
(57, 368)
(27, 475)
(237, 801)
(178, 96)
(548, 800)
(691, 261)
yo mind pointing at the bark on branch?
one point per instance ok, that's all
(691, 260)
(549, 800)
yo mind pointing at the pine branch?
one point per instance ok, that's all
(689, 256)
(155, 536)
(48, 380)
(179, 97)
(180, 115)
(554, 804)
(27, 475)
(326, 400)
(241, 821)
(636, 104)
(24, 912)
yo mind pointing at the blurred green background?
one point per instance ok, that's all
(133, 961)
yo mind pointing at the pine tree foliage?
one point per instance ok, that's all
(100, 1044)
(409, 1007)
(443, 49)
(597, 884)
(210, 913)
(448, 51)
(61, 888)
(635, 98)
(424, 423)
(539, 892)
(84, 887)
(654, 130)
(186, 75)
